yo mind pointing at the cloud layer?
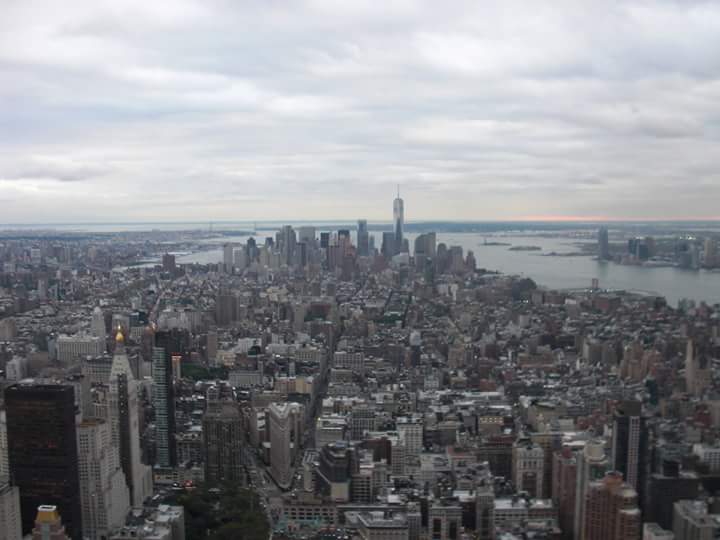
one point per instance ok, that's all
(226, 110)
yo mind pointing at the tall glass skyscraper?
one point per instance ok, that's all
(399, 221)
(363, 238)
(43, 452)
(168, 348)
(603, 244)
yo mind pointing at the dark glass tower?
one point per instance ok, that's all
(43, 453)
(363, 238)
(603, 244)
(630, 453)
(223, 444)
(170, 347)
(324, 240)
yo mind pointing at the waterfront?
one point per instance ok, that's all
(558, 272)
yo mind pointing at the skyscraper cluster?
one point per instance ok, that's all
(74, 456)
(316, 381)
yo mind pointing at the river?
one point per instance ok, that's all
(555, 272)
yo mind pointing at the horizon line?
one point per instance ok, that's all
(527, 219)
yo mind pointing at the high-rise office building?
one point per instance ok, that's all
(426, 245)
(550, 442)
(124, 418)
(665, 488)
(399, 222)
(4, 464)
(10, 520)
(335, 471)
(284, 421)
(104, 494)
(306, 234)
(363, 238)
(287, 240)
(698, 367)
(8, 329)
(168, 262)
(411, 434)
(251, 249)
(223, 444)
(630, 444)
(445, 520)
(711, 253)
(164, 353)
(528, 465)
(228, 257)
(692, 521)
(212, 346)
(42, 451)
(564, 484)
(240, 259)
(301, 254)
(388, 247)
(641, 248)
(97, 324)
(225, 308)
(362, 419)
(324, 240)
(612, 512)
(43, 287)
(592, 464)
(485, 512)
(603, 244)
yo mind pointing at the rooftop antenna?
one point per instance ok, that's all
(398, 186)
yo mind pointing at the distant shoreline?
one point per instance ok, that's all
(251, 227)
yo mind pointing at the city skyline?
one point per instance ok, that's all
(204, 384)
(202, 111)
(271, 224)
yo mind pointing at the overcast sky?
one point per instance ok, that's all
(210, 110)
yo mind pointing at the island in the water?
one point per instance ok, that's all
(565, 254)
(525, 248)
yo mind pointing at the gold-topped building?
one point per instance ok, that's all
(48, 524)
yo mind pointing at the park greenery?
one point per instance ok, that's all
(226, 513)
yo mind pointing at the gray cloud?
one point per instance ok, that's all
(189, 109)
(44, 170)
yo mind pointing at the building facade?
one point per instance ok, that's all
(612, 511)
(104, 494)
(284, 421)
(528, 463)
(164, 401)
(223, 444)
(124, 419)
(10, 520)
(630, 444)
(43, 452)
